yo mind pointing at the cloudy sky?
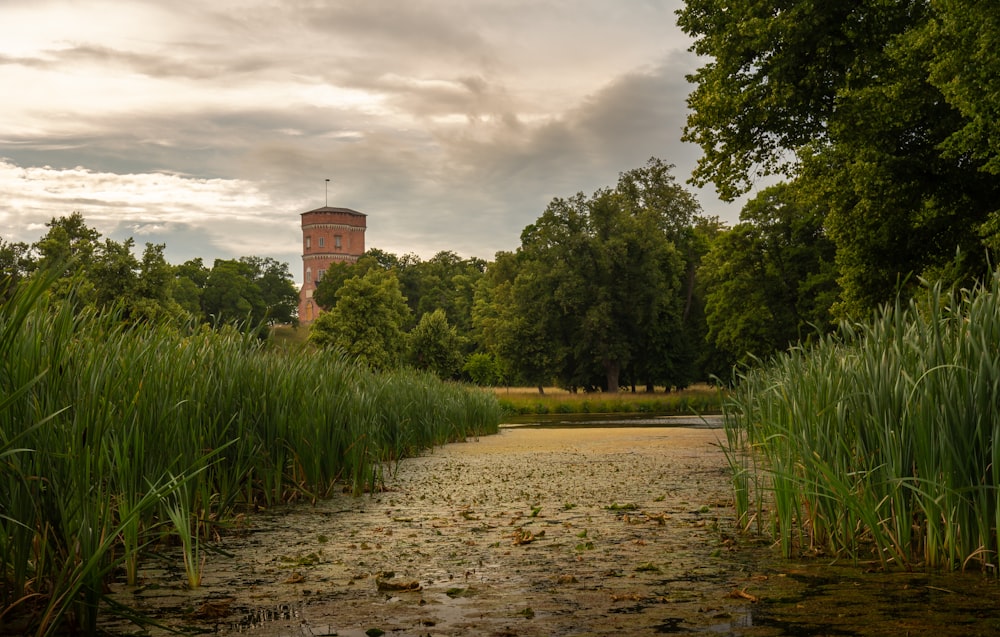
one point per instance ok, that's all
(210, 126)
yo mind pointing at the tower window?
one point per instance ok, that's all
(321, 242)
(336, 241)
(309, 242)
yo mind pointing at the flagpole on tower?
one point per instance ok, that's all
(327, 199)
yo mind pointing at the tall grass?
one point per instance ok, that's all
(527, 401)
(880, 442)
(114, 438)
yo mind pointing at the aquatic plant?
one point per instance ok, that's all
(116, 437)
(880, 441)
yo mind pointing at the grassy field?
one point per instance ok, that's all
(700, 399)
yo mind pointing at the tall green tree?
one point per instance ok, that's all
(16, 264)
(368, 320)
(231, 296)
(963, 40)
(770, 281)
(435, 346)
(446, 281)
(189, 279)
(596, 291)
(651, 192)
(277, 288)
(114, 273)
(336, 273)
(515, 342)
(69, 244)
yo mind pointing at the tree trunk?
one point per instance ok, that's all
(613, 369)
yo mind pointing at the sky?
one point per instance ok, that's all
(211, 126)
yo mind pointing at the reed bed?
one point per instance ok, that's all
(700, 399)
(115, 439)
(879, 442)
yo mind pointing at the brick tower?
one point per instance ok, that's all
(329, 235)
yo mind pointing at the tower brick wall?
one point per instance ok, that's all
(329, 235)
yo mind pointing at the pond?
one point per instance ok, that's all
(544, 530)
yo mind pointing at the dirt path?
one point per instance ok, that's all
(530, 532)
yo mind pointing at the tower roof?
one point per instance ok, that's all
(335, 209)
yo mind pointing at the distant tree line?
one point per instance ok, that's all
(629, 287)
(106, 274)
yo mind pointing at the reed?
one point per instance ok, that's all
(115, 438)
(879, 442)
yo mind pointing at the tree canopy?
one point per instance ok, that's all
(872, 106)
(596, 291)
(368, 321)
(770, 280)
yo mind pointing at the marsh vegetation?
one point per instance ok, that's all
(880, 443)
(119, 438)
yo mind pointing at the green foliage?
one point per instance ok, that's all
(277, 291)
(963, 38)
(229, 296)
(599, 289)
(435, 346)
(485, 370)
(15, 266)
(368, 321)
(335, 276)
(885, 111)
(880, 442)
(770, 281)
(445, 282)
(106, 274)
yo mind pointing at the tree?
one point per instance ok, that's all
(277, 288)
(502, 331)
(231, 295)
(855, 101)
(770, 281)
(114, 273)
(367, 321)
(16, 264)
(447, 282)
(154, 274)
(595, 293)
(651, 192)
(70, 245)
(189, 279)
(485, 370)
(336, 273)
(963, 39)
(435, 346)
